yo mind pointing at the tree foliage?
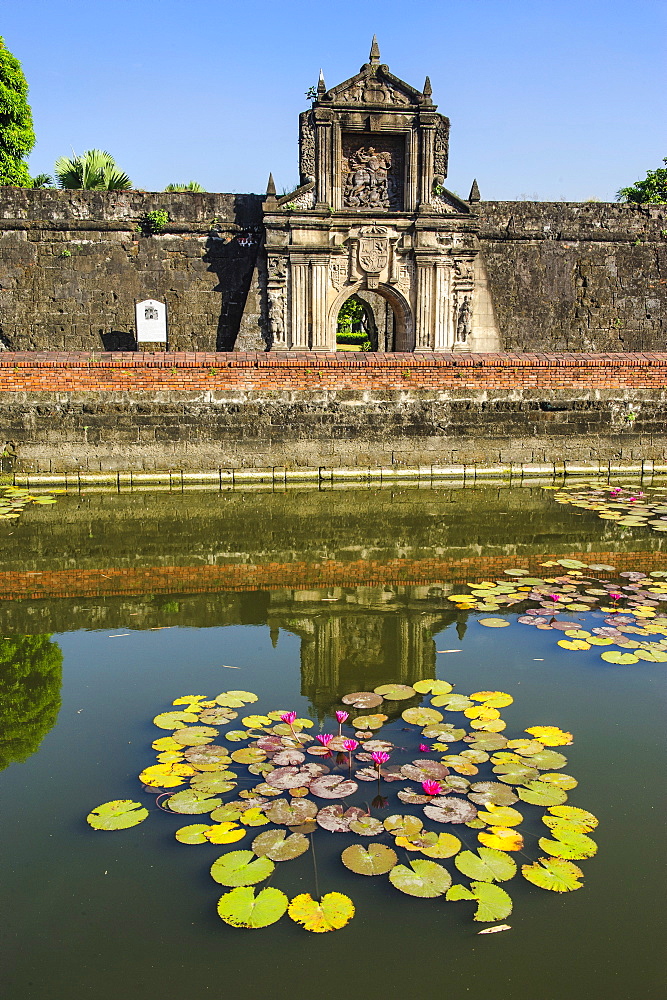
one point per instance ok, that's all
(16, 132)
(652, 190)
(190, 186)
(94, 170)
(30, 680)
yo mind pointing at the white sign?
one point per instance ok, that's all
(151, 322)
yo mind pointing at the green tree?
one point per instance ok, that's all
(42, 181)
(16, 132)
(190, 186)
(94, 170)
(30, 681)
(652, 190)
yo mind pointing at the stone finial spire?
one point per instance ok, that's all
(321, 85)
(474, 192)
(271, 187)
(374, 57)
(428, 89)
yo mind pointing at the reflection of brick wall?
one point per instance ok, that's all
(295, 575)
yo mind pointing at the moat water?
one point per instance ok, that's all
(114, 605)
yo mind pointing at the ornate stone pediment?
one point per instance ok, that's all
(374, 85)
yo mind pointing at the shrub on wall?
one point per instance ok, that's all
(16, 132)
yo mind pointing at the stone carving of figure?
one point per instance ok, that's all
(277, 315)
(367, 180)
(463, 326)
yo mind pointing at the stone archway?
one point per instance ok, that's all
(403, 325)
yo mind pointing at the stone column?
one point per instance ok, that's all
(300, 301)
(411, 171)
(324, 157)
(426, 172)
(319, 287)
(441, 341)
(424, 310)
(337, 155)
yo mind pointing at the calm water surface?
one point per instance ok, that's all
(127, 602)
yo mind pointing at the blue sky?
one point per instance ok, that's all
(548, 99)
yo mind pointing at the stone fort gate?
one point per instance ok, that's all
(372, 218)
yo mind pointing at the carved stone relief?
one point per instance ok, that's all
(372, 173)
(306, 147)
(372, 91)
(464, 321)
(338, 270)
(441, 148)
(276, 267)
(406, 274)
(305, 200)
(277, 314)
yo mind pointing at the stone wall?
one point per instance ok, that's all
(562, 276)
(73, 263)
(587, 276)
(319, 411)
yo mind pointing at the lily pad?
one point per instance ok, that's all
(501, 838)
(333, 911)
(493, 622)
(242, 908)
(421, 716)
(193, 834)
(217, 716)
(422, 878)
(494, 699)
(366, 826)
(446, 845)
(192, 802)
(488, 865)
(337, 820)
(542, 793)
(493, 902)
(376, 859)
(583, 819)
(395, 692)
(225, 833)
(403, 826)
(424, 770)
(501, 816)
(568, 844)
(215, 783)
(248, 755)
(450, 810)
(551, 736)
(555, 874)
(276, 845)
(362, 699)
(370, 721)
(119, 814)
(452, 702)
(332, 786)
(174, 720)
(293, 813)
(241, 868)
(624, 659)
(484, 792)
(432, 687)
(194, 736)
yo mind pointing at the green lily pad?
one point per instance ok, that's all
(452, 702)
(174, 720)
(241, 908)
(395, 692)
(423, 878)
(292, 813)
(484, 792)
(432, 687)
(403, 826)
(366, 826)
(376, 859)
(195, 736)
(119, 814)
(192, 802)
(568, 844)
(235, 699)
(332, 912)
(547, 760)
(555, 874)
(241, 868)
(216, 783)
(579, 819)
(193, 834)
(421, 716)
(488, 865)
(276, 845)
(501, 816)
(541, 793)
(493, 902)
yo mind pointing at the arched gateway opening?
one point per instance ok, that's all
(372, 320)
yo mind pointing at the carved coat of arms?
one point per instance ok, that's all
(373, 249)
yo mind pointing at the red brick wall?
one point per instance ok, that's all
(62, 372)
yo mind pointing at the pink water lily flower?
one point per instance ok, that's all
(424, 748)
(615, 597)
(324, 738)
(555, 597)
(351, 745)
(380, 757)
(288, 717)
(432, 787)
(342, 716)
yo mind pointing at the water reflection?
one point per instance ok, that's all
(30, 681)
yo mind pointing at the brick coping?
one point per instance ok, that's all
(331, 360)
